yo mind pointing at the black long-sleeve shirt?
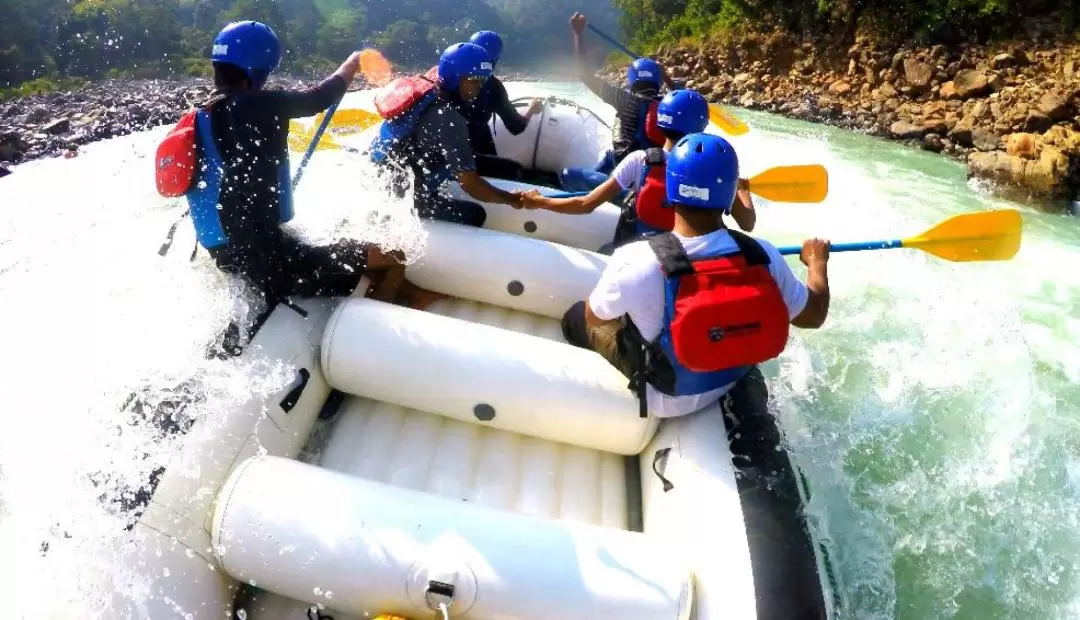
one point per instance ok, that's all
(251, 130)
(493, 99)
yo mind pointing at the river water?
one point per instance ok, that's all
(935, 415)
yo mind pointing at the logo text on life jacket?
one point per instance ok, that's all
(690, 191)
(220, 50)
(719, 332)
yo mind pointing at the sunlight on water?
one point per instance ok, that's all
(935, 415)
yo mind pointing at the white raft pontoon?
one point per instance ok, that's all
(477, 462)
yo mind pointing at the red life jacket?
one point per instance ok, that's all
(650, 204)
(722, 315)
(175, 161)
(400, 95)
(652, 130)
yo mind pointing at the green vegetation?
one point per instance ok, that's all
(47, 44)
(651, 22)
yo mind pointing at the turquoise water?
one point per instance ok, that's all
(935, 414)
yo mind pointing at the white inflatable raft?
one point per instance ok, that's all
(477, 461)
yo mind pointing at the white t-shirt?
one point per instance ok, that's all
(628, 173)
(633, 284)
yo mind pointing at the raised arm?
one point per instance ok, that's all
(515, 123)
(585, 73)
(311, 101)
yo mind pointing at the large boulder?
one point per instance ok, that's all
(905, 130)
(1025, 145)
(1054, 106)
(12, 146)
(970, 83)
(1046, 177)
(917, 74)
(962, 130)
(839, 87)
(984, 139)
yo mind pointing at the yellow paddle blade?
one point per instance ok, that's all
(792, 183)
(989, 235)
(375, 67)
(719, 116)
(300, 137)
(350, 121)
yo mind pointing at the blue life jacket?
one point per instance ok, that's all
(204, 196)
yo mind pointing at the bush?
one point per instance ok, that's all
(41, 86)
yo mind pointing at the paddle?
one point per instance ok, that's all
(717, 115)
(808, 183)
(567, 195)
(780, 184)
(984, 236)
(353, 120)
(376, 69)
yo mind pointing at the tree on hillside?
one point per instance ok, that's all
(337, 37)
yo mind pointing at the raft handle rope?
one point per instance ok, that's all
(662, 454)
(164, 249)
(549, 101)
(552, 99)
(439, 597)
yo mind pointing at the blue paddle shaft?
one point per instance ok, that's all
(567, 195)
(612, 41)
(315, 141)
(851, 247)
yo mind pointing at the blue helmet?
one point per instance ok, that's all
(491, 42)
(252, 46)
(644, 70)
(684, 111)
(462, 60)
(702, 171)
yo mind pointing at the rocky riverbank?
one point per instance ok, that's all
(59, 123)
(1009, 110)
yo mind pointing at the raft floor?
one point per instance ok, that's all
(502, 470)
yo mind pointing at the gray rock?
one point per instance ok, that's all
(57, 127)
(984, 139)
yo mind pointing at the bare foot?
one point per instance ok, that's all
(417, 298)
